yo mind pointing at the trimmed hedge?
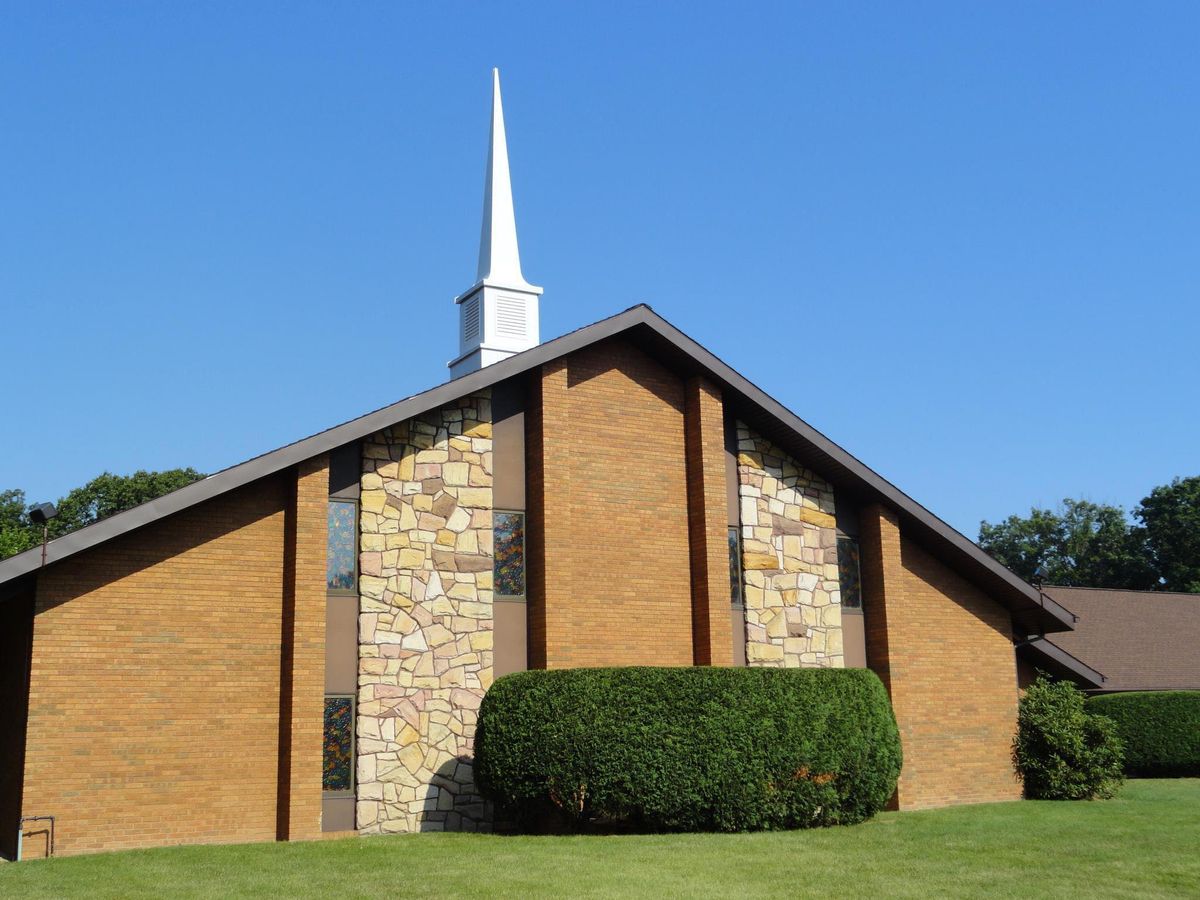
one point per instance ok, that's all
(689, 749)
(1161, 730)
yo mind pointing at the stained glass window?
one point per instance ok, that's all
(343, 546)
(735, 565)
(848, 572)
(509, 540)
(339, 744)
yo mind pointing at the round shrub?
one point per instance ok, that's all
(1160, 730)
(689, 749)
(1062, 751)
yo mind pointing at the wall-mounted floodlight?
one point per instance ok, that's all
(41, 515)
(1039, 576)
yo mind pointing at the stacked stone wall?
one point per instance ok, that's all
(789, 559)
(426, 625)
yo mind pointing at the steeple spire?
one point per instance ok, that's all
(498, 316)
(499, 258)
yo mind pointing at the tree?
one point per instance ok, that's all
(16, 531)
(1079, 544)
(1170, 519)
(103, 496)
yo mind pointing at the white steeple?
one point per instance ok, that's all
(498, 316)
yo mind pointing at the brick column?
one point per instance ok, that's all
(951, 677)
(302, 669)
(546, 486)
(708, 523)
(882, 578)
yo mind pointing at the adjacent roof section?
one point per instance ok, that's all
(1140, 640)
(1033, 612)
(1046, 655)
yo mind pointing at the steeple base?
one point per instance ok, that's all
(477, 359)
(494, 323)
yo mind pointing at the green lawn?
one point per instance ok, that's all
(1145, 843)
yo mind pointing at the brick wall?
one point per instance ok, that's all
(708, 515)
(154, 713)
(882, 581)
(944, 649)
(303, 664)
(610, 580)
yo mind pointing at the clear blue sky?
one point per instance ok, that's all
(962, 240)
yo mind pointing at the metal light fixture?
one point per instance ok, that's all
(1039, 576)
(41, 515)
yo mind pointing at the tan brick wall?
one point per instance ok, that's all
(708, 515)
(610, 583)
(944, 649)
(154, 713)
(304, 653)
(882, 581)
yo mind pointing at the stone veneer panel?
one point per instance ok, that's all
(789, 559)
(425, 624)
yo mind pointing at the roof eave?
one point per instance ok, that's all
(1021, 596)
(1065, 660)
(322, 442)
(1025, 601)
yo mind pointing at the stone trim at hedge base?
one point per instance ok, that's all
(425, 623)
(789, 559)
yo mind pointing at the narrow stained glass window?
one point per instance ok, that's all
(509, 540)
(735, 565)
(339, 744)
(340, 560)
(849, 574)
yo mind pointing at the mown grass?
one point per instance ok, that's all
(1144, 843)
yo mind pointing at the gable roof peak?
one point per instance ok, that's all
(1032, 610)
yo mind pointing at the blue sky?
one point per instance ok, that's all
(962, 240)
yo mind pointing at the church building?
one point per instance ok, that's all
(298, 646)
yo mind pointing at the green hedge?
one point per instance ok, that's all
(689, 749)
(1161, 730)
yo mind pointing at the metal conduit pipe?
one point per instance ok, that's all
(21, 832)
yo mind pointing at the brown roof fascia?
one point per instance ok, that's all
(1034, 610)
(322, 442)
(1048, 650)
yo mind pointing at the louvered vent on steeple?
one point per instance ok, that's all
(470, 319)
(510, 317)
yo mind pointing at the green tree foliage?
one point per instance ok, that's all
(103, 496)
(1062, 751)
(1170, 519)
(16, 532)
(1079, 544)
(1084, 544)
(689, 749)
